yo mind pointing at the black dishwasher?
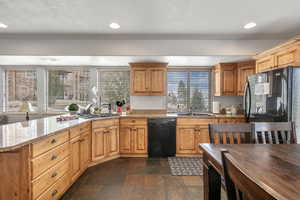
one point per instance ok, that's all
(161, 137)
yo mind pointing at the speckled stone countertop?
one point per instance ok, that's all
(16, 135)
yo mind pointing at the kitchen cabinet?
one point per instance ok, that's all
(133, 137)
(265, 64)
(190, 132)
(105, 140)
(148, 79)
(244, 69)
(80, 151)
(282, 55)
(225, 78)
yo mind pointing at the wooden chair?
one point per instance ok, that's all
(238, 185)
(230, 133)
(273, 132)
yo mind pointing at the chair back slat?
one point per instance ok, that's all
(230, 133)
(238, 185)
(273, 132)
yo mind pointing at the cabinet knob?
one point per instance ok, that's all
(54, 174)
(54, 193)
(82, 140)
(53, 141)
(53, 157)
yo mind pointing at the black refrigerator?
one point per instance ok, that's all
(274, 96)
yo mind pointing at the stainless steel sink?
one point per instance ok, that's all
(90, 116)
(197, 114)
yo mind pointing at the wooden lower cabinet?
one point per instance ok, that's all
(79, 155)
(105, 141)
(134, 137)
(190, 132)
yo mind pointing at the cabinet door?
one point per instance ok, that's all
(85, 151)
(140, 81)
(229, 79)
(265, 64)
(75, 158)
(140, 138)
(114, 141)
(125, 139)
(217, 80)
(186, 140)
(202, 136)
(98, 141)
(158, 81)
(243, 72)
(288, 57)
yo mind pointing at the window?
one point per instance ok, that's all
(188, 90)
(21, 89)
(114, 86)
(66, 87)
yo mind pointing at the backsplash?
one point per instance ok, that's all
(148, 102)
(228, 101)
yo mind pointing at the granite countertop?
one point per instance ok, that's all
(16, 135)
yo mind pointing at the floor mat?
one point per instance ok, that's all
(183, 166)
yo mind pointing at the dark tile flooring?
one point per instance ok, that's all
(134, 179)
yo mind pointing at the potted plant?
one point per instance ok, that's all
(73, 108)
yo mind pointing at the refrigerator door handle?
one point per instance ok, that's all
(247, 94)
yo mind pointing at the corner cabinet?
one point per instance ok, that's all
(105, 140)
(148, 79)
(225, 78)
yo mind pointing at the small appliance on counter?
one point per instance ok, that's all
(216, 107)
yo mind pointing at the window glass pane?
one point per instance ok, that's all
(188, 91)
(21, 91)
(199, 91)
(66, 87)
(114, 86)
(177, 91)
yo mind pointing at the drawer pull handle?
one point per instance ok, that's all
(54, 193)
(53, 141)
(53, 157)
(54, 174)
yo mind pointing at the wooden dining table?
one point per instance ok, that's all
(274, 167)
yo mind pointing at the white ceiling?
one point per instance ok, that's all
(203, 17)
(106, 61)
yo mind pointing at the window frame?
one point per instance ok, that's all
(192, 69)
(5, 84)
(59, 68)
(110, 69)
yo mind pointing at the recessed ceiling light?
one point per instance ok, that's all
(114, 25)
(3, 25)
(250, 25)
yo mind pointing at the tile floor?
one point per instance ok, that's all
(134, 179)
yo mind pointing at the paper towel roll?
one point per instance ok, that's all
(216, 107)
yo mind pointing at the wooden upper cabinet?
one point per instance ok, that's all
(225, 78)
(265, 64)
(282, 55)
(140, 82)
(148, 79)
(244, 69)
(288, 57)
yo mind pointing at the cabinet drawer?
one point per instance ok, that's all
(77, 130)
(49, 177)
(133, 121)
(55, 191)
(195, 121)
(49, 159)
(49, 143)
(103, 123)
